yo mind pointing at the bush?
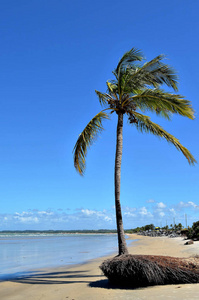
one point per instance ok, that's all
(193, 232)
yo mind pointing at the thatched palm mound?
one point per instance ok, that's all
(144, 270)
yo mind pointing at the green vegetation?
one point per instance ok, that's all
(176, 227)
(193, 232)
(144, 228)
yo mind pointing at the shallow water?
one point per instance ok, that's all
(21, 253)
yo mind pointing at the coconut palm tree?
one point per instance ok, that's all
(135, 89)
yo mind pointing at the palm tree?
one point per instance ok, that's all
(135, 89)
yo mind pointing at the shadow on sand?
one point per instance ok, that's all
(105, 284)
(65, 277)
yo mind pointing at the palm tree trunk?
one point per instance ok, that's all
(122, 247)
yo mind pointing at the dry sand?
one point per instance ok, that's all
(85, 282)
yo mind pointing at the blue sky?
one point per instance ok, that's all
(53, 56)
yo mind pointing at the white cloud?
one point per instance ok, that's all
(47, 213)
(129, 209)
(108, 219)
(24, 213)
(190, 204)
(182, 204)
(96, 214)
(162, 214)
(172, 211)
(160, 210)
(129, 214)
(161, 205)
(88, 212)
(193, 204)
(150, 201)
(144, 212)
(27, 219)
(86, 218)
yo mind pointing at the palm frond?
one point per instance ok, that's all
(163, 103)
(112, 88)
(144, 124)
(162, 73)
(157, 73)
(103, 98)
(86, 138)
(153, 73)
(128, 58)
(126, 62)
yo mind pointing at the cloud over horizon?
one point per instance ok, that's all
(85, 218)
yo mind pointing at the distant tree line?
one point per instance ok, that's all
(191, 232)
(151, 227)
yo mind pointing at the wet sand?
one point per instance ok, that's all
(86, 282)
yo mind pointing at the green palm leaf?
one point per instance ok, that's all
(112, 88)
(127, 61)
(128, 58)
(86, 138)
(161, 73)
(153, 73)
(163, 103)
(144, 124)
(103, 98)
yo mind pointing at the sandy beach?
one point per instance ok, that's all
(86, 282)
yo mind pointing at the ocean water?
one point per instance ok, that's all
(22, 253)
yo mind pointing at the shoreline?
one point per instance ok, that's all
(25, 272)
(86, 282)
(30, 253)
